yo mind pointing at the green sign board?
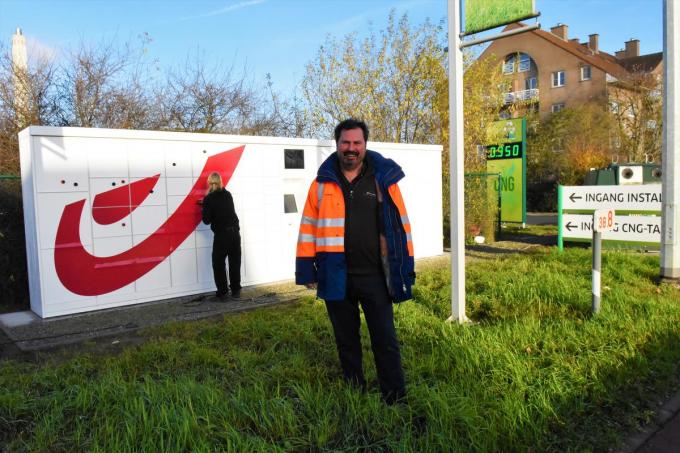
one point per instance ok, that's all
(507, 157)
(483, 15)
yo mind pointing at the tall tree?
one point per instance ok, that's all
(391, 80)
(636, 104)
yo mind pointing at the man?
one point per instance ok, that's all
(218, 212)
(355, 247)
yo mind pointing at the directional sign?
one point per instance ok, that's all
(643, 197)
(626, 228)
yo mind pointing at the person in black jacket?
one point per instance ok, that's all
(218, 212)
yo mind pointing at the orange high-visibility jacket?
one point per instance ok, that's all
(321, 243)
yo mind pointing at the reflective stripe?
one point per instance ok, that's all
(325, 242)
(308, 220)
(319, 194)
(331, 222)
(408, 237)
(306, 238)
(404, 220)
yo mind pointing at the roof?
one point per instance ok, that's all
(644, 63)
(600, 60)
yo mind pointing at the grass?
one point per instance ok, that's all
(484, 14)
(535, 372)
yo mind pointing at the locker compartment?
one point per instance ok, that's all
(188, 243)
(121, 227)
(123, 294)
(60, 164)
(183, 267)
(55, 296)
(185, 220)
(110, 246)
(150, 195)
(106, 158)
(179, 186)
(177, 159)
(205, 272)
(110, 192)
(157, 278)
(49, 213)
(204, 238)
(148, 219)
(255, 265)
(202, 151)
(147, 158)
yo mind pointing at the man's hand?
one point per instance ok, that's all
(310, 285)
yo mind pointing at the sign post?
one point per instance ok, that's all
(507, 12)
(603, 220)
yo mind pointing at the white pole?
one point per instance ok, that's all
(456, 168)
(670, 191)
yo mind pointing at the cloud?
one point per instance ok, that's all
(226, 9)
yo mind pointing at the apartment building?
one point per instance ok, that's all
(547, 71)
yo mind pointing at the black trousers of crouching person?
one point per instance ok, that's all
(227, 246)
(371, 292)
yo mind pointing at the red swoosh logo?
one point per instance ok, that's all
(89, 275)
(111, 206)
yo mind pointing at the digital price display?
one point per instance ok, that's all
(504, 151)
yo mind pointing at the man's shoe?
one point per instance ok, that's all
(236, 294)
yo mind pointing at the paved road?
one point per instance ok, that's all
(541, 218)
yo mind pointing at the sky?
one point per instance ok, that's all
(281, 37)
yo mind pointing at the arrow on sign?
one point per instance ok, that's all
(573, 197)
(569, 226)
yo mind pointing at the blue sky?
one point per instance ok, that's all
(281, 36)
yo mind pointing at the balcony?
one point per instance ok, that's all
(519, 96)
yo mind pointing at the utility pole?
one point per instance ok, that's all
(670, 191)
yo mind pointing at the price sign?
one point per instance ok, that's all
(603, 220)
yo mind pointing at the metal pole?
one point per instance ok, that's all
(670, 189)
(456, 168)
(560, 239)
(597, 266)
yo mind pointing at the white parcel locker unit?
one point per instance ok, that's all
(112, 216)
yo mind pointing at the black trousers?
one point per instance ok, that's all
(371, 292)
(227, 245)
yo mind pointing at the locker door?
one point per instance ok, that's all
(60, 164)
(49, 212)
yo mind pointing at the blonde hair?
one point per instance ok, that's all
(214, 182)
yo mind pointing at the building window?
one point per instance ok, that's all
(289, 205)
(531, 83)
(294, 158)
(509, 65)
(558, 79)
(524, 63)
(558, 145)
(557, 107)
(614, 106)
(585, 73)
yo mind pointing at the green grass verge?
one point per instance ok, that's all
(535, 372)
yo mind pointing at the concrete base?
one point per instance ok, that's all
(670, 275)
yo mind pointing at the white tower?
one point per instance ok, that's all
(20, 75)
